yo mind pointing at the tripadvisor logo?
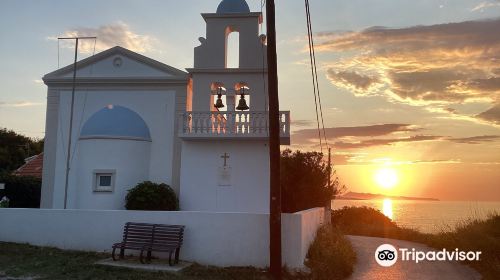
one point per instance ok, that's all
(387, 255)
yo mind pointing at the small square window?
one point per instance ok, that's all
(104, 180)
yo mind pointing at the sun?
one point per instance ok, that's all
(386, 177)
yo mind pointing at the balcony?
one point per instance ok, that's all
(231, 125)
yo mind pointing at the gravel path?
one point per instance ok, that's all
(367, 268)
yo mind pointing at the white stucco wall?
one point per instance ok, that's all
(157, 107)
(129, 161)
(222, 239)
(249, 162)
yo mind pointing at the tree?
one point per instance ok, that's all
(304, 181)
(14, 148)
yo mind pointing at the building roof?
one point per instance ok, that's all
(65, 75)
(32, 167)
(233, 6)
(115, 122)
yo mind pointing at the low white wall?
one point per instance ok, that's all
(221, 239)
(299, 230)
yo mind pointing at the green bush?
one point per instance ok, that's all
(151, 196)
(331, 255)
(22, 191)
(304, 181)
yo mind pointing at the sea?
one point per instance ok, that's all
(427, 216)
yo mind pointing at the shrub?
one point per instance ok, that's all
(151, 196)
(331, 255)
(22, 191)
(304, 181)
(371, 222)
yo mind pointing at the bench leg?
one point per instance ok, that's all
(149, 256)
(170, 258)
(141, 257)
(177, 255)
(122, 253)
(113, 254)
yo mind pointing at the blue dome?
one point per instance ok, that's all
(233, 6)
(115, 122)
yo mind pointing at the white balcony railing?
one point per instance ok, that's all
(230, 124)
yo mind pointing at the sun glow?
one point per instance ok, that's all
(387, 208)
(386, 177)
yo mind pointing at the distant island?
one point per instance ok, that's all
(369, 196)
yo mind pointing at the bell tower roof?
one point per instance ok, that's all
(232, 7)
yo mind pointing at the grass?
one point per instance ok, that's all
(331, 255)
(470, 235)
(22, 260)
(46, 263)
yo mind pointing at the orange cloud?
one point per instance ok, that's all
(435, 65)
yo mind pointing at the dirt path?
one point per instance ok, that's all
(367, 268)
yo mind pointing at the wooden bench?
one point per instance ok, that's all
(151, 238)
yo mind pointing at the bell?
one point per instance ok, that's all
(242, 104)
(218, 103)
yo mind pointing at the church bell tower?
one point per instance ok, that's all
(224, 131)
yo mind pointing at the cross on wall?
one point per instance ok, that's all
(225, 156)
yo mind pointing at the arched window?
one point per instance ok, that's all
(232, 48)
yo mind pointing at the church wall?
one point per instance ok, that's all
(212, 53)
(128, 159)
(156, 105)
(50, 146)
(249, 176)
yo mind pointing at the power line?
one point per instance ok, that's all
(313, 72)
(84, 103)
(68, 156)
(316, 73)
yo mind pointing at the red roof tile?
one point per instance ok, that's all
(32, 167)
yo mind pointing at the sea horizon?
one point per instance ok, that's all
(428, 216)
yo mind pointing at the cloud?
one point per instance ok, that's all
(486, 4)
(311, 134)
(491, 115)
(353, 81)
(432, 66)
(383, 142)
(20, 104)
(301, 123)
(116, 34)
(476, 139)
(358, 137)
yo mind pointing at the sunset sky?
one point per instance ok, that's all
(413, 86)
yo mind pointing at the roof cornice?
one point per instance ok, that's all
(232, 15)
(114, 51)
(226, 70)
(117, 80)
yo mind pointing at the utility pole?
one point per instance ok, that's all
(274, 146)
(71, 114)
(329, 167)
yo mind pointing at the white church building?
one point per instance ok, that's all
(137, 119)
